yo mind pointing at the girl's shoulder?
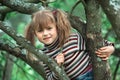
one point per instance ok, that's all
(77, 39)
(75, 34)
(73, 37)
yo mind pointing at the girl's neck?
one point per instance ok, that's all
(53, 45)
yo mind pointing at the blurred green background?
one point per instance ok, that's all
(18, 21)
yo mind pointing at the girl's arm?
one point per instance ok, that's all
(50, 75)
(105, 51)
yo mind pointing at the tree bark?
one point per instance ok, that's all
(21, 6)
(101, 68)
(16, 51)
(8, 68)
(94, 38)
(112, 10)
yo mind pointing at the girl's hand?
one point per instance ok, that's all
(105, 52)
(60, 59)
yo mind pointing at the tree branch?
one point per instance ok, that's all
(21, 6)
(32, 1)
(101, 68)
(4, 9)
(17, 52)
(38, 53)
(74, 6)
(78, 24)
(116, 69)
(117, 53)
(112, 10)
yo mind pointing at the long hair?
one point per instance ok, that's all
(29, 34)
(41, 19)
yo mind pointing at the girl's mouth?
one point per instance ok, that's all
(47, 38)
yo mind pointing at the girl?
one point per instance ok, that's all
(53, 29)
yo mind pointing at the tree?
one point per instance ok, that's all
(91, 30)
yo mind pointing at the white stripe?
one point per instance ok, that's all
(76, 60)
(81, 42)
(76, 70)
(70, 59)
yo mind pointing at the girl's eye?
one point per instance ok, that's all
(49, 28)
(40, 30)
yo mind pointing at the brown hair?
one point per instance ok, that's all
(41, 19)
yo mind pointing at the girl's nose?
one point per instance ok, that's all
(45, 32)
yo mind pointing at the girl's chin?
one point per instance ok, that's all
(48, 43)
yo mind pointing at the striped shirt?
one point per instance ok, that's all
(77, 60)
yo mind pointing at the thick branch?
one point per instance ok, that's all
(27, 45)
(78, 24)
(95, 41)
(32, 1)
(75, 6)
(117, 53)
(17, 52)
(112, 10)
(4, 9)
(21, 6)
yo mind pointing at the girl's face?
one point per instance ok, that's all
(48, 34)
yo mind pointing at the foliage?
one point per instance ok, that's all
(23, 71)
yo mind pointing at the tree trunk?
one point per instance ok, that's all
(8, 68)
(94, 38)
(101, 68)
(112, 10)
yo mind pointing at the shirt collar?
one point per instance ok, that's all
(53, 45)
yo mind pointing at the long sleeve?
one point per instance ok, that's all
(107, 43)
(50, 75)
(77, 60)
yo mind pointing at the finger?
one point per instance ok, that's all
(61, 54)
(60, 57)
(100, 53)
(103, 51)
(102, 56)
(60, 62)
(97, 52)
(103, 48)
